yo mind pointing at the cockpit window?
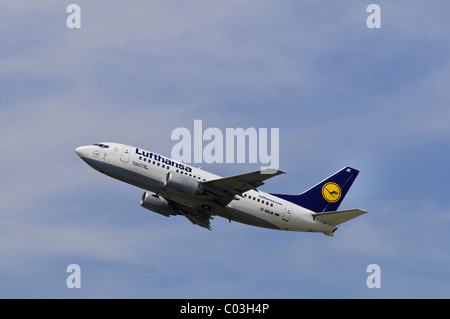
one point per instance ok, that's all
(102, 145)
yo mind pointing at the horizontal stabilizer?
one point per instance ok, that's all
(339, 217)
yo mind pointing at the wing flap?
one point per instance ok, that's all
(339, 217)
(203, 220)
(196, 216)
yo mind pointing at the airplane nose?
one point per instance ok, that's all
(81, 151)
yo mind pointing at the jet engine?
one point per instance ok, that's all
(157, 203)
(183, 184)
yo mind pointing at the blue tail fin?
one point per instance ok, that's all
(328, 194)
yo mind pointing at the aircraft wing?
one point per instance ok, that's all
(222, 191)
(226, 189)
(195, 216)
(199, 218)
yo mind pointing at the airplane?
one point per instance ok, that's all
(175, 188)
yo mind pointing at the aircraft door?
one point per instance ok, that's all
(287, 212)
(125, 154)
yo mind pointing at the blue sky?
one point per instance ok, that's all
(340, 93)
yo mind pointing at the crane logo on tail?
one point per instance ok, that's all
(331, 192)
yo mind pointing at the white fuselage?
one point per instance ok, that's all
(132, 165)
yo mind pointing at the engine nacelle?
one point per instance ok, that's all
(157, 203)
(183, 184)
